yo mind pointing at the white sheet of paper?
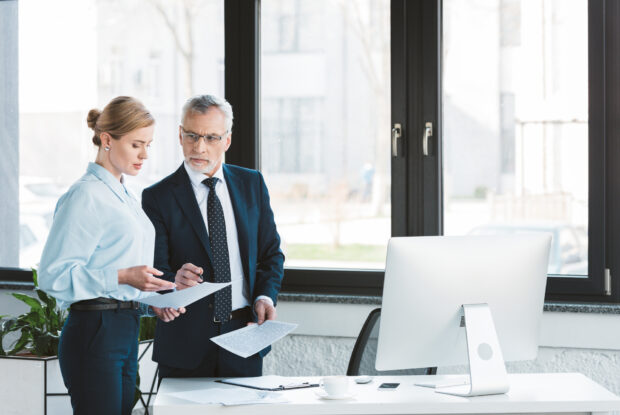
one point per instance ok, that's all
(252, 339)
(182, 298)
(230, 396)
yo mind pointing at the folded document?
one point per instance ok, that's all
(252, 339)
(182, 298)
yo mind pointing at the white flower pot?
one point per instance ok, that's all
(32, 385)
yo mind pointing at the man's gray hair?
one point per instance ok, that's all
(199, 104)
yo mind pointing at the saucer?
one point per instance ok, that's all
(323, 395)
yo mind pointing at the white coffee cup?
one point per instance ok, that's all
(335, 385)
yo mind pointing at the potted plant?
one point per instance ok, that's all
(32, 362)
(35, 383)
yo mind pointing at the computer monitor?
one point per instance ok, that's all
(450, 300)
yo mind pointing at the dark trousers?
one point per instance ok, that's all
(217, 361)
(98, 354)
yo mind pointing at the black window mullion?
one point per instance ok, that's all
(432, 209)
(398, 55)
(415, 116)
(422, 81)
(242, 79)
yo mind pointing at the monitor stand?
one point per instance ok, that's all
(487, 371)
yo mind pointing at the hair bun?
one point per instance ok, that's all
(93, 116)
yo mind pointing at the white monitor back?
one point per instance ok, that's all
(428, 279)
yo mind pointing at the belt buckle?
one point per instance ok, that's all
(215, 320)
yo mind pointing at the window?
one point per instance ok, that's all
(515, 122)
(292, 136)
(160, 51)
(325, 93)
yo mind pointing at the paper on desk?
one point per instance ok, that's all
(252, 339)
(229, 396)
(182, 298)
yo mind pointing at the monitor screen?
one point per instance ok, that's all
(428, 279)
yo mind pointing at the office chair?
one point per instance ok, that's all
(364, 352)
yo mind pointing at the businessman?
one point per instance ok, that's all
(213, 222)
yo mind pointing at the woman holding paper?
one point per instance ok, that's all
(98, 261)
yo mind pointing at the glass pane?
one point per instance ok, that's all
(515, 93)
(159, 51)
(325, 109)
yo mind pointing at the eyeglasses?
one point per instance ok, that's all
(209, 138)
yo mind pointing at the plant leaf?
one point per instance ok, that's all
(8, 325)
(20, 344)
(42, 296)
(32, 302)
(39, 328)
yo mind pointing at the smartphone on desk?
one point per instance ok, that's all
(388, 386)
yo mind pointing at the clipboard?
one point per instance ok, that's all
(255, 383)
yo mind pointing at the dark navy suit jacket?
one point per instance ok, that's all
(181, 237)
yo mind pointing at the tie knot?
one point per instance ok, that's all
(210, 182)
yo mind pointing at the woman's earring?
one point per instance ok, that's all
(106, 148)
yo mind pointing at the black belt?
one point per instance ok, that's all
(240, 313)
(100, 304)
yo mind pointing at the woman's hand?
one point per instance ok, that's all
(168, 314)
(141, 277)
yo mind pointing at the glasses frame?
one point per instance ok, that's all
(193, 138)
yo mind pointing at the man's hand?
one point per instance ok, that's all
(188, 276)
(168, 314)
(264, 311)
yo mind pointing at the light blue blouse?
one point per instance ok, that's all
(98, 228)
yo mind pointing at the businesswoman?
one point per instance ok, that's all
(98, 261)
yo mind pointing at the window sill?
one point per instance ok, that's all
(555, 307)
(16, 285)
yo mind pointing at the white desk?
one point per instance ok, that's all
(529, 394)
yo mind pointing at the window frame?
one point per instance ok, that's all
(417, 203)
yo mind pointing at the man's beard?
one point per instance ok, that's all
(204, 170)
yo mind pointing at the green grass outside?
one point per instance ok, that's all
(353, 252)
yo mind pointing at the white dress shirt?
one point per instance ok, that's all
(240, 289)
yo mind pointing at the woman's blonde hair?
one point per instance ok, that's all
(121, 116)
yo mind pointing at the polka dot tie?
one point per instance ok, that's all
(219, 249)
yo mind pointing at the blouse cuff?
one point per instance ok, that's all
(110, 280)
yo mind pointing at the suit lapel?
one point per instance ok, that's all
(236, 190)
(187, 200)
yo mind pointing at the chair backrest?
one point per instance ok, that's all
(364, 353)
